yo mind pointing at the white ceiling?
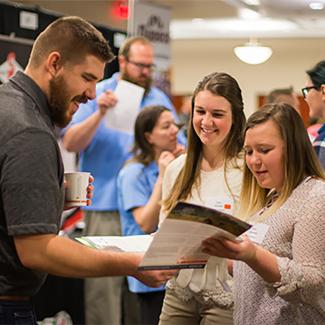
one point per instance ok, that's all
(217, 18)
(220, 19)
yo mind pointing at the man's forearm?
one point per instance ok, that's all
(65, 257)
(79, 136)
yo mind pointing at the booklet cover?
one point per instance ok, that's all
(177, 244)
(209, 216)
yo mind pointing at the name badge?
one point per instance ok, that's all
(224, 204)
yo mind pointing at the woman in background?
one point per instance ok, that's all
(139, 191)
(208, 175)
(281, 281)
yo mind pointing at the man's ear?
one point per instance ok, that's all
(122, 62)
(54, 63)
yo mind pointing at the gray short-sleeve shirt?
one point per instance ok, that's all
(31, 179)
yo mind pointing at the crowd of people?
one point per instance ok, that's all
(263, 170)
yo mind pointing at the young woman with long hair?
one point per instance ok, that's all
(281, 281)
(210, 175)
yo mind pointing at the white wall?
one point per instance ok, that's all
(191, 60)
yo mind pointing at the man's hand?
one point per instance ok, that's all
(90, 190)
(155, 278)
(105, 101)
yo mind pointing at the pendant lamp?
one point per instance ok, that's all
(253, 52)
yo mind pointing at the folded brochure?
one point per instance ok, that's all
(177, 244)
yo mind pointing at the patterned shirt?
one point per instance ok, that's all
(296, 237)
(319, 145)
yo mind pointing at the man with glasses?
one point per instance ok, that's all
(103, 152)
(314, 94)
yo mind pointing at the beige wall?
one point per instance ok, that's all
(191, 60)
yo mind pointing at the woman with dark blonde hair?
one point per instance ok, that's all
(210, 175)
(282, 280)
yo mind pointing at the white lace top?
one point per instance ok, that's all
(211, 285)
(297, 236)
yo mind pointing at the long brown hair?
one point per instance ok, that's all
(300, 159)
(220, 84)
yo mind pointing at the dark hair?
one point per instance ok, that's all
(126, 46)
(317, 74)
(74, 38)
(221, 84)
(145, 123)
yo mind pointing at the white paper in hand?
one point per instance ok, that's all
(122, 116)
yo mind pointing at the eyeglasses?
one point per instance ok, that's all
(142, 66)
(306, 90)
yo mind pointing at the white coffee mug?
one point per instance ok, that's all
(76, 188)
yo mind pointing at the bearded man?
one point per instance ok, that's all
(67, 60)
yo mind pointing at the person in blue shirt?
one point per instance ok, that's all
(139, 191)
(314, 94)
(103, 151)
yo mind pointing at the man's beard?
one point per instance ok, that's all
(145, 83)
(60, 100)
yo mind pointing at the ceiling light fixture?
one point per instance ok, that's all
(253, 52)
(252, 2)
(316, 5)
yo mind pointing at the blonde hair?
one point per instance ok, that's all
(299, 160)
(220, 84)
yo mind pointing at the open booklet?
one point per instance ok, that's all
(177, 244)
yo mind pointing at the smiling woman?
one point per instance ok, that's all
(210, 175)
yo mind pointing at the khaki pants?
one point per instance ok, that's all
(177, 312)
(103, 296)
